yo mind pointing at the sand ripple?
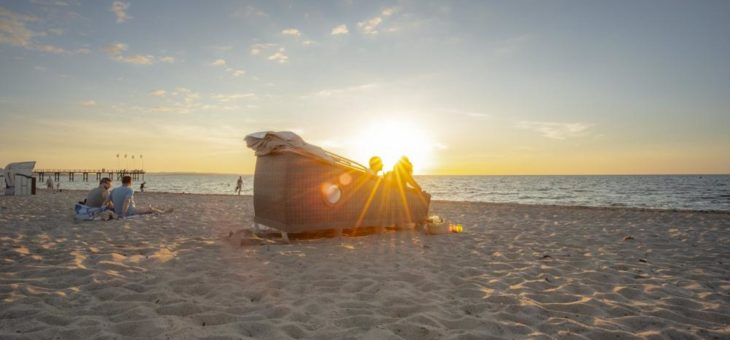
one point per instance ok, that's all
(516, 272)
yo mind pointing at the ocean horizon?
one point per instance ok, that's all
(690, 192)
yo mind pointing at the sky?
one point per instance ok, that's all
(461, 87)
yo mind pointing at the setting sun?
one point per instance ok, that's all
(391, 140)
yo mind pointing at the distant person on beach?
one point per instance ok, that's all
(122, 198)
(239, 185)
(376, 165)
(58, 186)
(49, 184)
(141, 186)
(98, 196)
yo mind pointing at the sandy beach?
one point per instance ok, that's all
(517, 271)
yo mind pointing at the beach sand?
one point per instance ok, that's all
(516, 271)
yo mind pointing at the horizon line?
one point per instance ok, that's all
(466, 175)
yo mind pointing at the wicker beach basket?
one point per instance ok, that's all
(297, 192)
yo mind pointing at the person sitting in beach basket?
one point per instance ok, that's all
(122, 199)
(402, 175)
(376, 165)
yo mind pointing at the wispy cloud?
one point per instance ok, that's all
(185, 101)
(224, 98)
(257, 49)
(341, 29)
(291, 32)
(249, 12)
(308, 42)
(87, 103)
(345, 90)
(116, 52)
(279, 56)
(14, 31)
(555, 130)
(370, 26)
(235, 72)
(120, 10)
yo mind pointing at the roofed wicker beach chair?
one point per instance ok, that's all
(299, 187)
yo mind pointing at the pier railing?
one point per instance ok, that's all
(99, 173)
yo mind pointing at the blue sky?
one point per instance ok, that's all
(472, 87)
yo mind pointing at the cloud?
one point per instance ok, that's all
(308, 42)
(120, 10)
(232, 71)
(279, 56)
(554, 130)
(370, 26)
(341, 29)
(345, 90)
(185, 101)
(256, 49)
(87, 103)
(224, 98)
(14, 31)
(115, 48)
(388, 11)
(249, 12)
(292, 32)
(138, 59)
(235, 72)
(116, 52)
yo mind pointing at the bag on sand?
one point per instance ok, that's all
(436, 225)
(86, 213)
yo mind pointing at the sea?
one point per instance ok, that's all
(691, 192)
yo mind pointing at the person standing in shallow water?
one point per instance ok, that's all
(239, 185)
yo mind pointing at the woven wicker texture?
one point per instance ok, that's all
(288, 195)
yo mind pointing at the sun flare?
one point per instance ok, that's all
(390, 140)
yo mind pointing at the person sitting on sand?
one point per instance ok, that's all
(376, 165)
(122, 198)
(99, 195)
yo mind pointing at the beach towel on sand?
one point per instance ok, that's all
(86, 213)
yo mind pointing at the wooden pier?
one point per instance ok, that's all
(99, 173)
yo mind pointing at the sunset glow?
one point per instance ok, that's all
(390, 140)
(475, 87)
